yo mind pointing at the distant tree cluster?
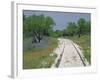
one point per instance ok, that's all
(80, 28)
(37, 26)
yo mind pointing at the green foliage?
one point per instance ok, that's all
(58, 33)
(71, 29)
(37, 26)
(81, 27)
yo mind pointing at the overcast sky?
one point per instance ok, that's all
(61, 18)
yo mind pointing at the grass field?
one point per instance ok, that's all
(85, 43)
(40, 57)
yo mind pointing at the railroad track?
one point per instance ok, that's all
(81, 58)
(69, 55)
(58, 62)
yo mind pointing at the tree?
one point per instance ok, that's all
(81, 26)
(27, 26)
(40, 23)
(37, 26)
(49, 23)
(71, 29)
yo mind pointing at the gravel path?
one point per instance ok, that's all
(69, 55)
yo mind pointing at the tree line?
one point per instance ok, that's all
(38, 26)
(81, 27)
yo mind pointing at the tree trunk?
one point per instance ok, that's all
(39, 35)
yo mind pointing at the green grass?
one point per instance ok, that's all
(40, 58)
(85, 43)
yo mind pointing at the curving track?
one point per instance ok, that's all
(69, 55)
